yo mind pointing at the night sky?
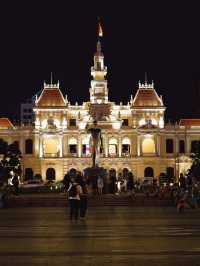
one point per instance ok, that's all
(161, 38)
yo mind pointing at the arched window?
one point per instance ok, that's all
(51, 146)
(148, 145)
(73, 146)
(16, 144)
(148, 172)
(169, 146)
(125, 172)
(28, 146)
(50, 174)
(126, 146)
(170, 172)
(3, 146)
(112, 147)
(112, 176)
(28, 175)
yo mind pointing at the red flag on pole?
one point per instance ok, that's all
(100, 30)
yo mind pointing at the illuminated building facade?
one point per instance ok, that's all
(135, 135)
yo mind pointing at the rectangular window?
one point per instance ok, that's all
(85, 149)
(72, 122)
(98, 65)
(73, 148)
(125, 122)
(112, 149)
(181, 146)
(125, 149)
(169, 146)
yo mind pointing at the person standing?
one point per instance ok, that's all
(74, 193)
(83, 200)
(100, 185)
(15, 182)
(130, 183)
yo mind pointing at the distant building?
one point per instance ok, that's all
(26, 111)
(135, 135)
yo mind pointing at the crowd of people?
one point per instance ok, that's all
(78, 187)
(184, 193)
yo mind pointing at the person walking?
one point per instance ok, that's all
(74, 193)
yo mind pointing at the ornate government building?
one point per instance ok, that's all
(134, 136)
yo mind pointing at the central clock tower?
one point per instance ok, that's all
(98, 90)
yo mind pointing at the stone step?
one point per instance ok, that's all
(61, 201)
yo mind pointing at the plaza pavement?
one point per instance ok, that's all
(137, 236)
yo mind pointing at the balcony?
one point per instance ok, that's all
(51, 155)
(126, 154)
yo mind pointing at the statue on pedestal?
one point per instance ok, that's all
(95, 143)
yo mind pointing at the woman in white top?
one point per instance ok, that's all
(100, 185)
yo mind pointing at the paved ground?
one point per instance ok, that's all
(110, 236)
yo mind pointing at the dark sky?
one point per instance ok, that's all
(159, 37)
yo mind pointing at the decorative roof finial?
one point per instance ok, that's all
(100, 34)
(99, 47)
(145, 78)
(51, 78)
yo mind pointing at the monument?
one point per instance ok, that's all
(95, 143)
(95, 171)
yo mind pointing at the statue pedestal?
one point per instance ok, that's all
(92, 174)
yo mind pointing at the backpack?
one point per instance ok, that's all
(73, 191)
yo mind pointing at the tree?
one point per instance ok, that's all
(194, 171)
(10, 165)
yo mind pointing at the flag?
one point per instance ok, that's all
(100, 30)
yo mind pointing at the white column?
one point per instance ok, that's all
(158, 145)
(188, 145)
(120, 146)
(61, 145)
(22, 145)
(40, 147)
(106, 145)
(79, 146)
(176, 144)
(138, 146)
(67, 145)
